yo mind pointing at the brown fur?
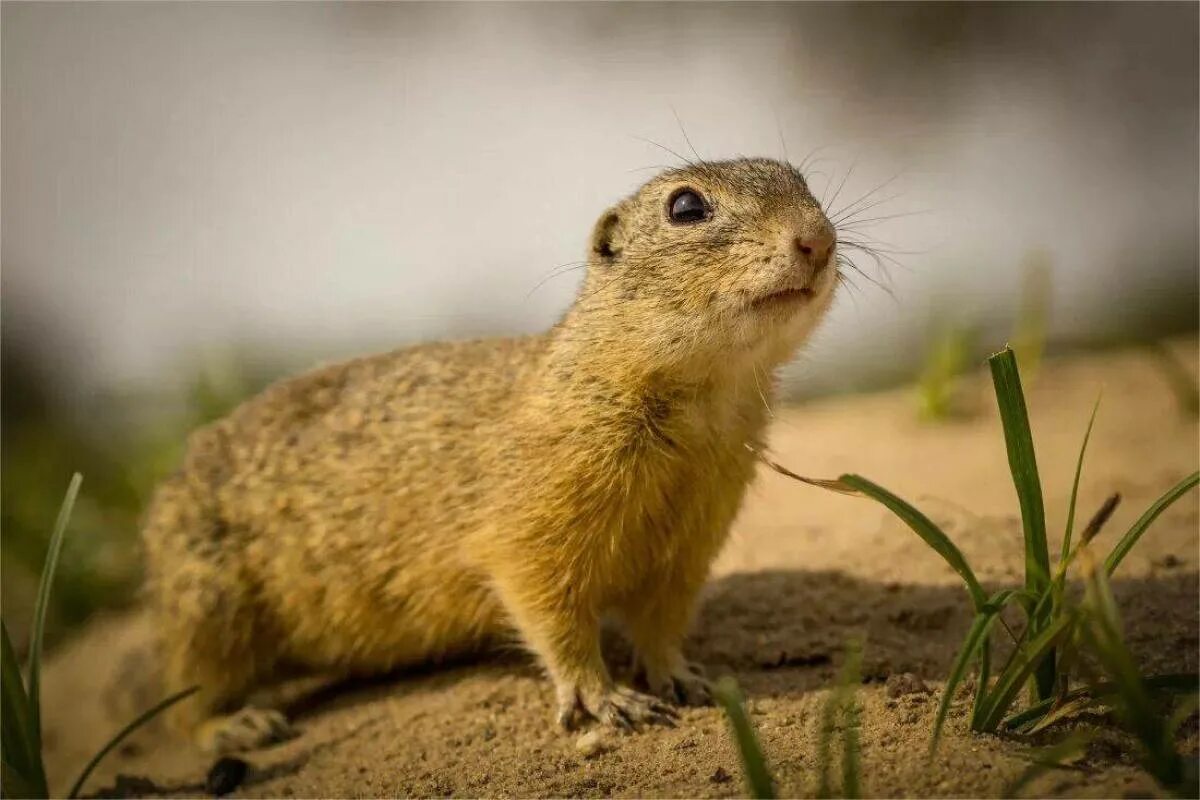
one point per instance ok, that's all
(407, 507)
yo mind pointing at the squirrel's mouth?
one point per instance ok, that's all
(784, 297)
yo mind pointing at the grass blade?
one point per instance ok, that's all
(1022, 462)
(1068, 709)
(1087, 434)
(1127, 542)
(1101, 628)
(822, 483)
(20, 751)
(14, 784)
(824, 744)
(851, 766)
(974, 644)
(1103, 693)
(920, 524)
(841, 699)
(43, 602)
(850, 678)
(754, 765)
(985, 675)
(926, 529)
(141, 720)
(1019, 669)
(1185, 709)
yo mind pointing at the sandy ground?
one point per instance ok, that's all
(805, 571)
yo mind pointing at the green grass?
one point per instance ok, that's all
(1022, 463)
(1055, 632)
(947, 356)
(1133, 702)
(1181, 380)
(22, 770)
(759, 782)
(1033, 312)
(1116, 687)
(952, 343)
(842, 703)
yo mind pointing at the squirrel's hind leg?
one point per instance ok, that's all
(213, 633)
(220, 653)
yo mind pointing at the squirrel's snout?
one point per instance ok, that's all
(814, 248)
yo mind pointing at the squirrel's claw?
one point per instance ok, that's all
(618, 707)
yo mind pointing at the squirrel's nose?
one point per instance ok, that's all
(814, 248)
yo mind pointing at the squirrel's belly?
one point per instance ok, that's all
(370, 623)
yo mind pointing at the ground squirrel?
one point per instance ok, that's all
(408, 507)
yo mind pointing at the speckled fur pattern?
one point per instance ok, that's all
(419, 505)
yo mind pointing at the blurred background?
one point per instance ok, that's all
(200, 197)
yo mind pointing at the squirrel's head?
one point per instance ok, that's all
(715, 259)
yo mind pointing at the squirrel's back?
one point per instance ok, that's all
(354, 422)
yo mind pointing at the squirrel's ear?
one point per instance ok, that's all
(608, 237)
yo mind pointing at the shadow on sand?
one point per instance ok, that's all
(782, 632)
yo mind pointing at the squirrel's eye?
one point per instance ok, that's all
(687, 206)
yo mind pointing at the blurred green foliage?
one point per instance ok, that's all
(950, 351)
(953, 343)
(125, 445)
(1033, 312)
(1181, 379)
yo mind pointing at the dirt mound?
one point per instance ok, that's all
(806, 571)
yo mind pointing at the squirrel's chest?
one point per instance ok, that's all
(685, 476)
(635, 480)
(672, 516)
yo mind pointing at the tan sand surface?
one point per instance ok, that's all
(806, 570)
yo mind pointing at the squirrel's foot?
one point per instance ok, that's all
(684, 685)
(616, 706)
(243, 730)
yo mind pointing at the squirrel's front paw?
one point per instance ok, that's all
(615, 706)
(683, 684)
(686, 685)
